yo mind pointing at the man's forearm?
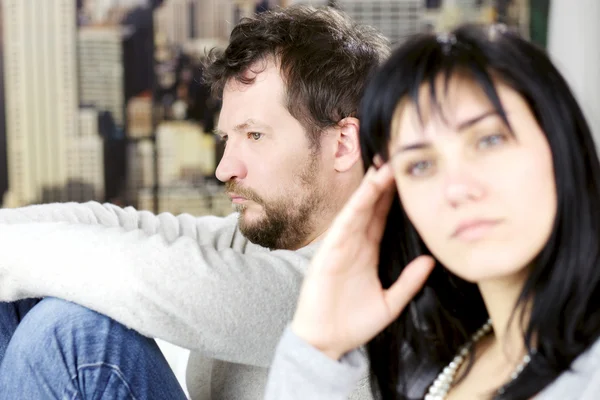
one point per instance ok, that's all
(206, 297)
(111, 216)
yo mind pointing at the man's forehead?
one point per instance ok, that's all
(260, 103)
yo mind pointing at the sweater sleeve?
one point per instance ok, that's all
(169, 226)
(581, 381)
(592, 387)
(299, 371)
(193, 282)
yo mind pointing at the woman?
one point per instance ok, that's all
(467, 261)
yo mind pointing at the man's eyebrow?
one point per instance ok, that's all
(219, 132)
(249, 123)
(244, 126)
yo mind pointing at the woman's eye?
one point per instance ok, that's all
(420, 168)
(254, 135)
(491, 141)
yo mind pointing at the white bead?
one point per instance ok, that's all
(520, 368)
(442, 384)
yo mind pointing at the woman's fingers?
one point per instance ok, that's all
(377, 161)
(380, 213)
(351, 235)
(410, 281)
(359, 209)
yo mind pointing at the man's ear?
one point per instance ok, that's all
(347, 152)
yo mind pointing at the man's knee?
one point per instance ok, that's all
(75, 350)
(55, 321)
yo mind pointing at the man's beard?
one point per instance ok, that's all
(285, 224)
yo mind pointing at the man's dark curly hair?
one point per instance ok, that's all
(325, 59)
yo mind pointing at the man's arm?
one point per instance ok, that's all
(196, 292)
(109, 215)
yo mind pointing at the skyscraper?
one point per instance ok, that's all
(214, 18)
(174, 19)
(3, 166)
(396, 19)
(86, 160)
(98, 11)
(101, 70)
(182, 20)
(41, 97)
(138, 51)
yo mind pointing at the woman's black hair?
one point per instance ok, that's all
(564, 282)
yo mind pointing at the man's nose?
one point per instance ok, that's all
(231, 166)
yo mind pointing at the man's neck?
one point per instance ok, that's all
(318, 236)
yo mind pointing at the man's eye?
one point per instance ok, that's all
(223, 138)
(254, 135)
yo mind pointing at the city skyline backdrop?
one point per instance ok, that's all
(102, 99)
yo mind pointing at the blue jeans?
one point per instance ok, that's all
(54, 349)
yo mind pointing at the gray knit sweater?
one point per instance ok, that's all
(194, 282)
(301, 372)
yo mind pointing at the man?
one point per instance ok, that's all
(223, 287)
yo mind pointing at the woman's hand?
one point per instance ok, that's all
(342, 304)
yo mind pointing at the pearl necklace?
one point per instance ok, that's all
(441, 385)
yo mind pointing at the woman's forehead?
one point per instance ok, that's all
(449, 104)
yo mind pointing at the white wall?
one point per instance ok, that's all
(574, 44)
